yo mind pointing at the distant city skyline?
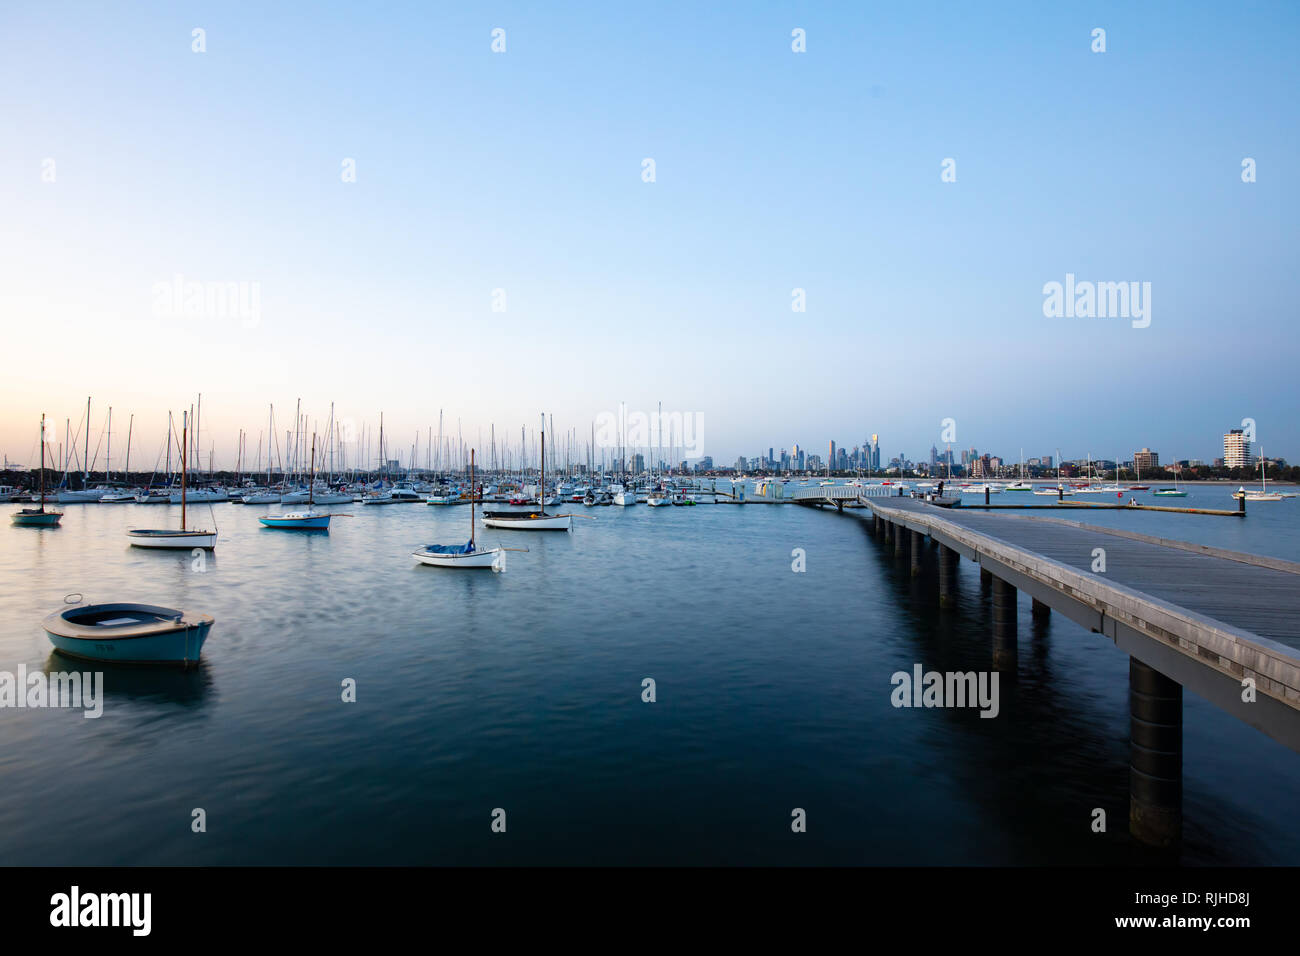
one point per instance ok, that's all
(220, 437)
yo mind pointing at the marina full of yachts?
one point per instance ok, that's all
(518, 501)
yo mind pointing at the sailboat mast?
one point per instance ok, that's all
(311, 500)
(185, 424)
(542, 493)
(86, 461)
(471, 499)
(130, 427)
(42, 461)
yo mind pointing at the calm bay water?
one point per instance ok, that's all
(523, 690)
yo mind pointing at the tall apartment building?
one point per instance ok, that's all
(1146, 460)
(1236, 450)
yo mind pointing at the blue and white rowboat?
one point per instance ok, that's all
(301, 520)
(129, 633)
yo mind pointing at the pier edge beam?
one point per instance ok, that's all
(947, 576)
(1155, 815)
(1005, 649)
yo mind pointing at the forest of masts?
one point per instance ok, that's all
(344, 451)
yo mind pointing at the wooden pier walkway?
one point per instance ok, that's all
(1219, 622)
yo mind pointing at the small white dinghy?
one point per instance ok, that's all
(467, 555)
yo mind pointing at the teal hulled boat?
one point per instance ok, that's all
(129, 633)
(38, 517)
(309, 520)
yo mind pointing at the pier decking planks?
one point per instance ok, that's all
(1264, 601)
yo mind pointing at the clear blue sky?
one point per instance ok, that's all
(775, 170)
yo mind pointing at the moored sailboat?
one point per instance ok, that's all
(172, 538)
(467, 555)
(1263, 494)
(309, 520)
(537, 520)
(38, 517)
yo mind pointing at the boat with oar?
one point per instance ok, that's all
(309, 520)
(170, 537)
(38, 517)
(537, 520)
(128, 633)
(469, 554)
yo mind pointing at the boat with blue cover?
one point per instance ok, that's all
(467, 555)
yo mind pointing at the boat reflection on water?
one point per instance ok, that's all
(134, 683)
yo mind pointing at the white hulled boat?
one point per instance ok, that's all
(182, 538)
(537, 520)
(467, 555)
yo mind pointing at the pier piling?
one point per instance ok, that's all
(900, 540)
(1040, 611)
(918, 542)
(1004, 625)
(1155, 815)
(947, 576)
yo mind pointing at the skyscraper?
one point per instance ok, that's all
(1236, 449)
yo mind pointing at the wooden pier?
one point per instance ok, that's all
(1221, 623)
